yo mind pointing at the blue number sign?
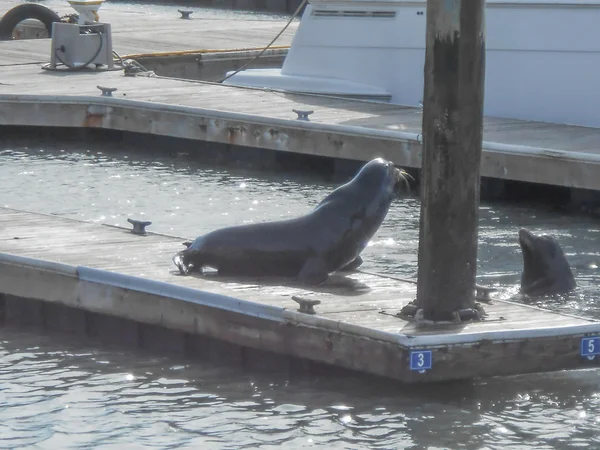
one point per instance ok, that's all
(590, 347)
(420, 360)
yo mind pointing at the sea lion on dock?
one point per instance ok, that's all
(546, 270)
(328, 239)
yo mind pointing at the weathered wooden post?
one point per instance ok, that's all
(452, 134)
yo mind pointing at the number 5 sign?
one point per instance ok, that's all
(420, 360)
(590, 347)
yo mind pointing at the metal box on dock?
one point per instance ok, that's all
(80, 45)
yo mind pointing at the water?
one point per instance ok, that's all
(56, 393)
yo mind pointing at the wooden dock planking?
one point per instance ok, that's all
(348, 330)
(369, 115)
(562, 155)
(151, 255)
(115, 249)
(138, 29)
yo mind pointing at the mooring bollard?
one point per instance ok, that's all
(106, 91)
(408, 311)
(139, 226)
(185, 14)
(482, 293)
(302, 114)
(467, 315)
(306, 305)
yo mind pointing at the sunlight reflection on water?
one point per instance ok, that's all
(59, 394)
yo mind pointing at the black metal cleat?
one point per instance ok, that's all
(468, 315)
(185, 14)
(482, 293)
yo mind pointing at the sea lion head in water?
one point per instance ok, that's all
(546, 270)
(310, 247)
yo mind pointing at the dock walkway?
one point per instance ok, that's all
(140, 29)
(518, 150)
(110, 271)
(339, 128)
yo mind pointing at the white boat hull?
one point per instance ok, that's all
(542, 57)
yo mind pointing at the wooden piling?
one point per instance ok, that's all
(452, 141)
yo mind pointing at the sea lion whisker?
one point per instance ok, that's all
(403, 176)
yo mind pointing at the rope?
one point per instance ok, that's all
(391, 277)
(270, 43)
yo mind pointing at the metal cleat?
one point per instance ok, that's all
(467, 315)
(302, 114)
(482, 293)
(106, 91)
(306, 305)
(139, 226)
(185, 14)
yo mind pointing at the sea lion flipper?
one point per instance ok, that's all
(353, 265)
(314, 271)
(178, 260)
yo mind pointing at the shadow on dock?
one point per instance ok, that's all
(337, 284)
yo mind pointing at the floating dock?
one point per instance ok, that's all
(339, 128)
(149, 28)
(161, 40)
(85, 277)
(351, 129)
(106, 282)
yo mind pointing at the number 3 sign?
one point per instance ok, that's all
(420, 360)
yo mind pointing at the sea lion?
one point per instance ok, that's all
(546, 270)
(328, 239)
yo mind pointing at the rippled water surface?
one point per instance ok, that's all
(56, 393)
